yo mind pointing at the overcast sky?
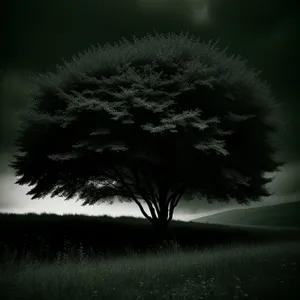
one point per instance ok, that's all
(37, 35)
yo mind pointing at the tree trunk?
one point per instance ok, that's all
(160, 230)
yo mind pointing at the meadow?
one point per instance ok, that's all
(78, 257)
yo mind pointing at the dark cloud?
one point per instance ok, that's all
(14, 85)
(38, 34)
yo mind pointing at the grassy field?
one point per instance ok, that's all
(269, 271)
(282, 215)
(47, 234)
(80, 257)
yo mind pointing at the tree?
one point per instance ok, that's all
(149, 121)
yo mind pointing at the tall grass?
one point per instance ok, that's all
(267, 271)
(44, 235)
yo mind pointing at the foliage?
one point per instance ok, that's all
(149, 121)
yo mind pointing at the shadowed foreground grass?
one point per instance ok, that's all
(46, 234)
(269, 271)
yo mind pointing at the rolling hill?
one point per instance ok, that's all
(282, 215)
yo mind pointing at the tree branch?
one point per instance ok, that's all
(143, 193)
(174, 202)
(153, 197)
(130, 192)
(163, 201)
(150, 186)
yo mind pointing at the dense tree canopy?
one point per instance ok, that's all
(149, 121)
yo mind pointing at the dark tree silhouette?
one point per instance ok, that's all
(149, 121)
